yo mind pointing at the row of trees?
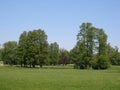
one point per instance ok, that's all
(90, 51)
(33, 49)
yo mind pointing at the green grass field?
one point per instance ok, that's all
(48, 78)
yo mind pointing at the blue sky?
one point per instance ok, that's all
(59, 18)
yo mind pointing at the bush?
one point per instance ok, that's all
(76, 66)
(103, 62)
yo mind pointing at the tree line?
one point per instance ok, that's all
(91, 50)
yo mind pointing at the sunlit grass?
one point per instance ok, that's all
(16, 78)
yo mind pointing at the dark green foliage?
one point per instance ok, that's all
(22, 49)
(102, 62)
(90, 50)
(113, 54)
(102, 39)
(53, 53)
(9, 52)
(64, 57)
(32, 48)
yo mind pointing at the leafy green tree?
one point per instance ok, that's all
(74, 53)
(113, 54)
(116, 56)
(42, 44)
(64, 57)
(33, 48)
(9, 52)
(54, 53)
(103, 60)
(22, 49)
(78, 55)
(85, 43)
(90, 48)
(102, 38)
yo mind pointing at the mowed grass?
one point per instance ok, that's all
(16, 78)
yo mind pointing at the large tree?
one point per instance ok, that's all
(33, 48)
(103, 60)
(91, 47)
(42, 45)
(85, 44)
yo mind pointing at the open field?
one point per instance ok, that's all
(16, 78)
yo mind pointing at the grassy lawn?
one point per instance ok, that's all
(16, 78)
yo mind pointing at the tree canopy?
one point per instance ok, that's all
(91, 50)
